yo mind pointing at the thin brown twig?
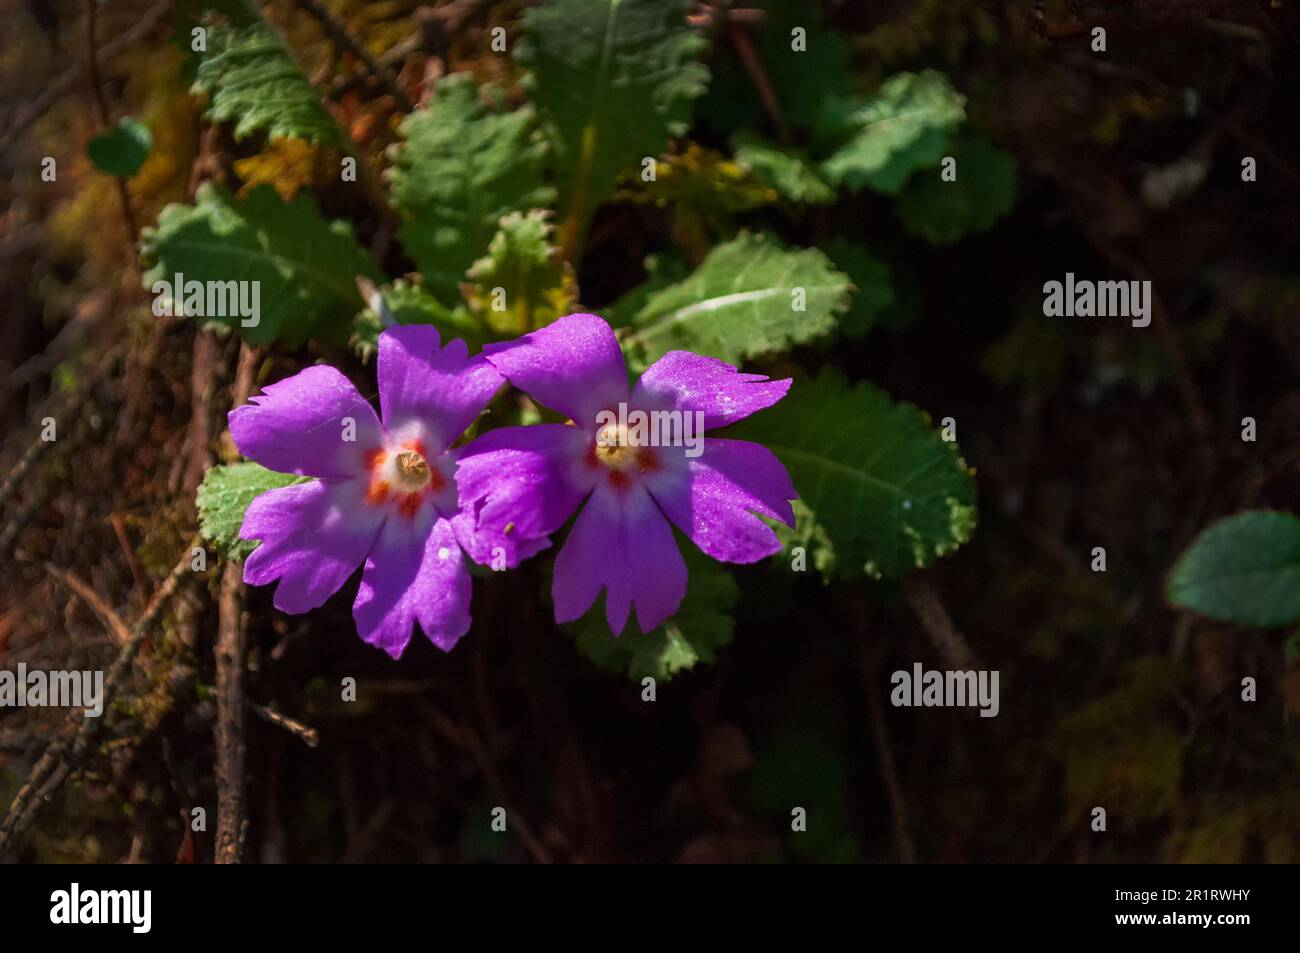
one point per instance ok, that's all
(232, 634)
(112, 621)
(924, 599)
(338, 31)
(758, 75)
(885, 752)
(64, 753)
(40, 446)
(56, 90)
(304, 733)
(92, 67)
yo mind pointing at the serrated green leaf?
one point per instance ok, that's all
(789, 171)
(872, 279)
(122, 149)
(224, 497)
(522, 272)
(462, 167)
(1243, 569)
(702, 625)
(741, 302)
(405, 303)
(886, 490)
(984, 190)
(613, 81)
(905, 126)
(251, 78)
(306, 266)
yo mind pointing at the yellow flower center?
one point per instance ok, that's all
(412, 471)
(614, 448)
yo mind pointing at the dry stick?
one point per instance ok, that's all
(232, 821)
(925, 602)
(754, 67)
(387, 60)
(304, 733)
(885, 752)
(65, 751)
(231, 751)
(112, 621)
(339, 33)
(55, 91)
(101, 105)
(70, 408)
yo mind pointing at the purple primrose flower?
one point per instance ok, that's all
(384, 493)
(523, 483)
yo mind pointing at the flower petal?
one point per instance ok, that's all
(520, 484)
(573, 366)
(314, 536)
(620, 542)
(437, 392)
(303, 423)
(729, 482)
(691, 382)
(415, 573)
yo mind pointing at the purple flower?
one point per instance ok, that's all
(522, 483)
(384, 493)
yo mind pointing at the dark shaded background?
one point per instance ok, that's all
(1083, 432)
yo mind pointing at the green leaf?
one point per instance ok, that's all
(405, 303)
(252, 79)
(305, 266)
(741, 302)
(523, 272)
(788, 171)
(1243, 569)
(886, 491)
(703, 624)
(122, 149)
(613, 80)
(984, 190)
(905, 126)
(462, 167)
(224, 497)
(875, 291)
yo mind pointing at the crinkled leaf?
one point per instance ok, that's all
(306, 266)
(405, 303)
(886, 491)
(788, 171)
(463, 165)
(122, 149)
(1243, 569)
(524, 274)
(613, 80)
(224, 497)
(252, 79)
(875, 290)
(741, 302)
(984, 190)
(905, 126)
(702, 625)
